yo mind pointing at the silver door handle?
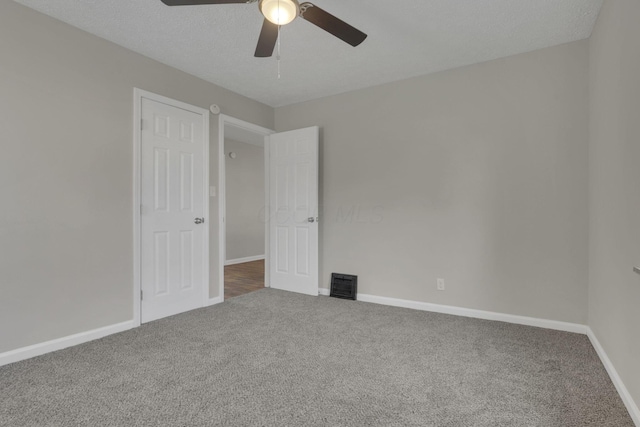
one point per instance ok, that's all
(199, 220)
(311, 219)
(636, 269)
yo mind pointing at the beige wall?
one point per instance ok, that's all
(477, 175)
(66, 113)
(244, 195)
(614, 187)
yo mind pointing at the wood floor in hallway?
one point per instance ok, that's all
(240, 279)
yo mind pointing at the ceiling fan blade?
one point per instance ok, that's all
(196, 2)
(312, 13)
(267, 40)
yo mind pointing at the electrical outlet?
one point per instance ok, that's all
(440, 284)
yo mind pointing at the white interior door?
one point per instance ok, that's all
(173, 232)
(293, 219)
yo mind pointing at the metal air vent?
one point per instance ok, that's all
(344, 286)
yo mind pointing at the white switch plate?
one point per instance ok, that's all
(440, 284)
(212, 191)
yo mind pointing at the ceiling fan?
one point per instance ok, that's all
(282, 12)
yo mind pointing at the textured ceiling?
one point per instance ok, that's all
(406, 39)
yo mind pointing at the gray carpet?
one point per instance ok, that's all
(273, 358)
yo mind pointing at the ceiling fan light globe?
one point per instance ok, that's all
(279, 12)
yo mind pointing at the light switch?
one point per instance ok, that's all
(212, 191)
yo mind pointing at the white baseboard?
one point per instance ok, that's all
(64, 342)
(214, 301)
(469, 312)
(632, 407)
(243, 260)
(71, 340)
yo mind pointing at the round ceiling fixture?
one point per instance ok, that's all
(279, 12)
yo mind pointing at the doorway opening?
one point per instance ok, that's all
(244, 189)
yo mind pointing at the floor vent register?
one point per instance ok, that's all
(344, 286)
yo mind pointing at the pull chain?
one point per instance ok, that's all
(279, 27)
(278, 54)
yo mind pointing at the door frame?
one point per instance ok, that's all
(223, 120)
(138, 96)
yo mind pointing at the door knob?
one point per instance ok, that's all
(199, 220)
(311, 219)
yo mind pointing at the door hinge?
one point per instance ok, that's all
(141, 294)
(141, 124)
(141, 209)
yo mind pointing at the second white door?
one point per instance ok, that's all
(293, 220)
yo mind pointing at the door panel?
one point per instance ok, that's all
(172, 196)
(293, 225)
